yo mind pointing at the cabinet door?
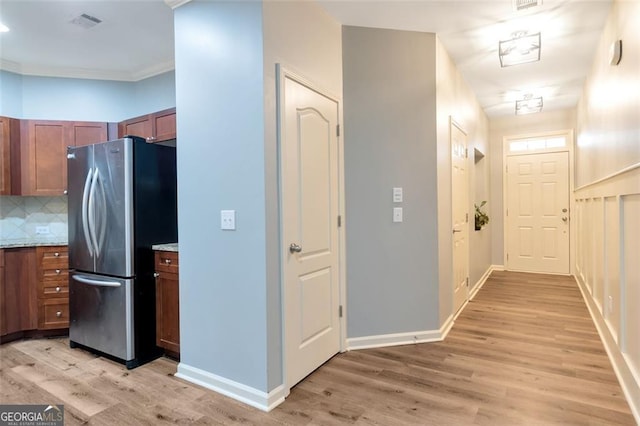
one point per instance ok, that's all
(88, 133)
(5, 156)
(167, 301)
(139, 126)
(44, 164)
(19, 291)
(164, 125)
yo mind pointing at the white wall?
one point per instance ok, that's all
(607, 155)
(514, 125)
(456, 100)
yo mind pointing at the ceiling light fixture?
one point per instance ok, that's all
(3, 28)
(525, 4)
(528, 105)
(520, 49)
(85, 21)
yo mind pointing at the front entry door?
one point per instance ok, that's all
(538, 212)
(310, 195)
(460, 216)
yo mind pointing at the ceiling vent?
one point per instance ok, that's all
(525, 4)
(86, 21)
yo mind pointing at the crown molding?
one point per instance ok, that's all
(83, 73)
(175, 3)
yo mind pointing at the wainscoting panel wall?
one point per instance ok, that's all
(608, 268)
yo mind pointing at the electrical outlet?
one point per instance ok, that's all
(42, 230)
(397, 214)
(228, 220)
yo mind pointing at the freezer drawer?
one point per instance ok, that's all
(101, 313)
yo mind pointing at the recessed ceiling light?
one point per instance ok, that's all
(528, 105)
(525, 4)
(520, 49)
(3, 28)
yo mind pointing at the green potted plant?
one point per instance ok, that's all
(481, 217)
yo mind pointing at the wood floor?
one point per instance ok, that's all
(523, 352)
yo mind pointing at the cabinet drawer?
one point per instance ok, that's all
(167, 261)
(55, 290)
(53, 257)
(53, 313)
(57, 275)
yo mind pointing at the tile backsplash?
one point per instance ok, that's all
(42, 218)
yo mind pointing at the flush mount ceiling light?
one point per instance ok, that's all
(3, 28)
(528, 105)
(520, 49)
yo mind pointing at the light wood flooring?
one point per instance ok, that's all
(523, 352)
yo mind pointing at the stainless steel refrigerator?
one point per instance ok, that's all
(122, 200)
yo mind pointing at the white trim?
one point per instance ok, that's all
(175, 3)
(478, 285)
(610, 176)
(243, 393)
(628, 378)
(398, 339)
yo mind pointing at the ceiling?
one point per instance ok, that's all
(135, 40)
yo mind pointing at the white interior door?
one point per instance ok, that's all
(538, 212)
(460, 216)
(309, 179)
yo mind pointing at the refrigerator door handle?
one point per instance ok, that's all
(85, 207)
(102, 223)
(92, 212)
(96, 282)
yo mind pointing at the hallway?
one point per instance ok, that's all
(524, 351)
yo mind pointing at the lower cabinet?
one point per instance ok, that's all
(167, 302)
(53, 287)
(34, 291)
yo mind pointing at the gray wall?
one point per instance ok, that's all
(56, 98)
(219, 93)
(390, 141)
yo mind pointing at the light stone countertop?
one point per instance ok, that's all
(32, 242)
(166, 247)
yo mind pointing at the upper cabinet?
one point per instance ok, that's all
(156, 127)
(42, 153)
(9, 130)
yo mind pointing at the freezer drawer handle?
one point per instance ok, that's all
(96, 282)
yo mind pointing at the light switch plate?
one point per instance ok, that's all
(228, 220)
(397, 214)
(42, 230)
(397, 195)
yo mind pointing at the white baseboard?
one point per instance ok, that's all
(243, 393)
(483, 279)
(627, 377)
(397, 339)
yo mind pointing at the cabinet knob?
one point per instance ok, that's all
(58, 314)
(65, 192)
(57, 289)
(56, 254)
(57, 271)
(156, 275)
(167, 261)
(151, 138)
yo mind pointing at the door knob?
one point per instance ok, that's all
(294, 248)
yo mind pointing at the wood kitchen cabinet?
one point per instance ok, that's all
(167, 302)
(43, 153)
(18, 291)
(9, 135)
(53, 287)
(156, 127)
